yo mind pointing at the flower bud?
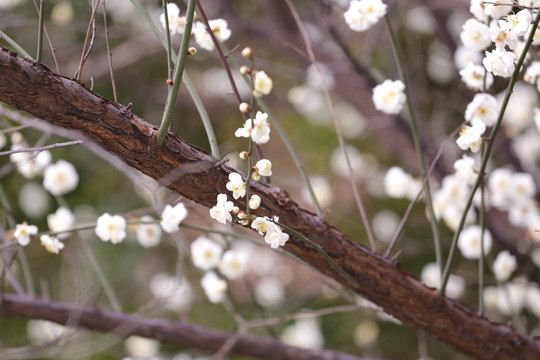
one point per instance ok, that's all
(255, 176)
(169, 82)
(254, 202)
(191, 51)
(235, 210)
(247, 52)
(244, 70)
(244, 155)
(244, 107)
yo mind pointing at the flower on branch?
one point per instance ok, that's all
(60, 178)
(51, 243)
(222, 211)
(111, 228)
(171, 217)
(237, 185)
(363, 14)
(23, 232)
(389, 97)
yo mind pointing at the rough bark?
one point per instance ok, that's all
(194, 174)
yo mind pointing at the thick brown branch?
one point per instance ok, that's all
(174, 332)
(191, 172)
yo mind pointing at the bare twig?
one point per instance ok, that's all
(42, 148)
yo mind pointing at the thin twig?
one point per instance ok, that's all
(86, 52)
(178, 71)
(53, 49)
(109, 54)
(401, 225)
(42, 148)
(40, 31)
(337, 126)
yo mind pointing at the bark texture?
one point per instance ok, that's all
(194, 174)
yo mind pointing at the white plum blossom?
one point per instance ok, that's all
(465, 170)
(498, 8)
(111, 228)
(532, 74)
(500, 62)
(273, 234)
(502, 35)
(219, 27)
(141, 348)
(173, 292)
(176, 22)
(476, 8)
(475, 35)
(504, 265)
(470, 137)
(148, 232)
(61, 220)
(473, 77)
(305, 333)
(60, 178)
(258, 129)
(260, 133)
(431, 276)
(464, 56)
(205, 253)
(276, 238)
(520, 22)
(362, 14)
(214, 287)
(262, 84)
(233, 264)
(171, 217)
(522, 103)
(262, 225)
(23, 232)
(537, 118)
(470, 242)
(389, 97)
(237, 185)
(264, 167)
(51, 243)
(483, 107)
(222, 211)
(30, 164)
(399, 184)
(269, 291)
(254, 202)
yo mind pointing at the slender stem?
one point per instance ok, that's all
(16, 46)
(40, 31)
(87, 48)
(168, 37)
(356, 194)
(482, 246)
(42, 148)
(109, 54)
(115, 304)
(178, 71)
(416, 140)
(487, 153)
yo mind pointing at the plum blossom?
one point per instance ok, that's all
(470, 242)
(171, 217)
(60, 178)
(111, 228)
(214, 287)
(205, 253)
(51, 243)
(389, 97)
(262, 84)
(237, 185)
(500, 62)
(222, 211)
(23, 232)
(264, 167)
(362, 14)
(470, 137)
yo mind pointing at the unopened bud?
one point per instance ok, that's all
(235, 210)
(244, 107)
(255, 176)
(191, 51)
(244, 70)
(243, 155)
(247, 52)
(169, 82)
(243, 218)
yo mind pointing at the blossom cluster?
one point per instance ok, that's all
(200, 32)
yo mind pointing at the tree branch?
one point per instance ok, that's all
(174, 332)
(191, 172)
